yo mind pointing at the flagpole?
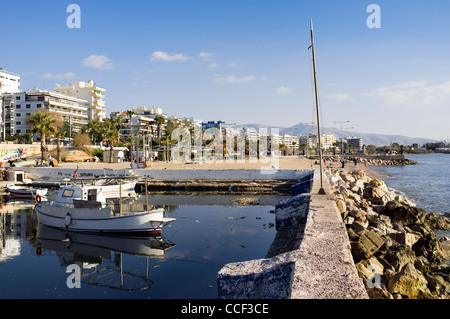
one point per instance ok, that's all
(321, 190)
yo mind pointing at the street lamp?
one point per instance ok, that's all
(342, 139)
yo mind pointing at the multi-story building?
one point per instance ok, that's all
(354, 143)
(89, 92)
(20, 106)
(327, 141)
(9, 83)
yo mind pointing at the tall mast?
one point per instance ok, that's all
(321, 190)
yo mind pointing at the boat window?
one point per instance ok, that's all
(68, 193)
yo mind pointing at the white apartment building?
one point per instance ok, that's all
(89, 92)
(327, 141)
(9, 83)
(311, 140)
(20, 106)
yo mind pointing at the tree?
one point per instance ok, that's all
(130, 114)
(112, 126)
(42, 123)
(59, 133)
(160, 120)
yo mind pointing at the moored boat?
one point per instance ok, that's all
(25, 192)
(84, 209)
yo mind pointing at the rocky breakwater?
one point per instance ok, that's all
(393, 242)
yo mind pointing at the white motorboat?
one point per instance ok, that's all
(25, 192)
(84, 209)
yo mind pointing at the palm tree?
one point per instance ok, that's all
(159, 120)
(59, 133)
(130, 114)
(42, 123)
(112, 126)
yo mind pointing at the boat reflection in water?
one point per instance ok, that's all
(100, 257)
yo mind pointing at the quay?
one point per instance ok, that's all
(310, 256)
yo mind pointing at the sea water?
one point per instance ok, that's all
(182, 264)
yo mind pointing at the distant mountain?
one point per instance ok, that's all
(368, 139)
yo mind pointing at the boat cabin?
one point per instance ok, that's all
(80, 197)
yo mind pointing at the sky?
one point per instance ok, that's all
(245, 61)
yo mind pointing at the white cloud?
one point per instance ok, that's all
(213, 65)
(206, 55)
(234, 79)
(340, 96)
(100, 62)
(413, 93)
(164, 56)
(60, 76)
(284, 90)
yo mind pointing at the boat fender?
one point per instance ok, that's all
(38, 199)
(67, 220)
(38, 250)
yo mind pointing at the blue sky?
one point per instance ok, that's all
(245, 61)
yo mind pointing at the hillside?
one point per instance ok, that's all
(368, 139)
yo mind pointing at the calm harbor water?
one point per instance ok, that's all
(426, 184)
(182, 264)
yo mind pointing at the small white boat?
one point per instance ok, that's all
(84, 209)
(24, 192)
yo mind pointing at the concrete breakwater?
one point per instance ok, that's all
(393, 243)
(310, 257)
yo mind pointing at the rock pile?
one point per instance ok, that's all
(393, 243)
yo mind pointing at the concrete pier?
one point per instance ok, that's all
(309, 259)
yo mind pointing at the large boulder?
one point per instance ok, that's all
(404, 214)
(366, 245)
(409, 282)
(437, 221)
(399, 255)
(430, 247)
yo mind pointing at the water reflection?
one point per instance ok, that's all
(100, 257)
(210, 231)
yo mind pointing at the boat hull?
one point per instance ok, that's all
(25, 192)
(100, 220)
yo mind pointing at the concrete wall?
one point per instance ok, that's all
(317, 264)
(232, 174)
(169, 175)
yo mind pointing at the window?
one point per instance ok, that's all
(18, 123)
(38, 106)
(18, 114)
(18, 106)
(68, 193)
(28, 106)
(17, 98)
(18, 131)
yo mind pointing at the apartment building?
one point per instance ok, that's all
(9, 83)
(354, 143)
(89, 92)
(21, 105)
